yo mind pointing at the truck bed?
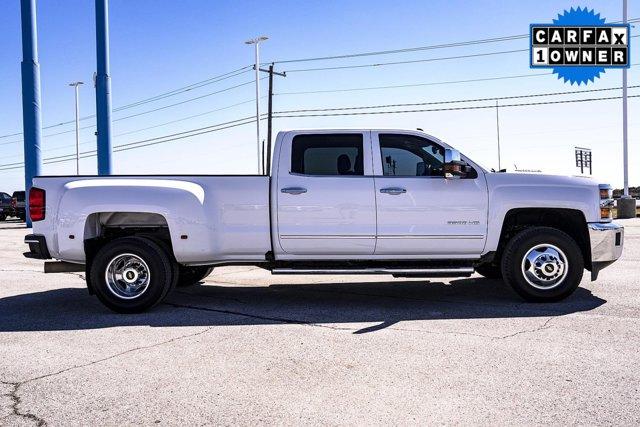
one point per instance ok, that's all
(210, 217)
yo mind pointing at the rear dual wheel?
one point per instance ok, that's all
(132, 274)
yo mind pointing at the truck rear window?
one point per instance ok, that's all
(327, 154)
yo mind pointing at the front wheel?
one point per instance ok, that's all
(131, 274)
(542, 264)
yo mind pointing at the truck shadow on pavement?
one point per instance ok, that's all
(322, 304)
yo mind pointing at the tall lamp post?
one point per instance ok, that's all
(256, 43)
(76, 86)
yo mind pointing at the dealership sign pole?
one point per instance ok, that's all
(32, 123)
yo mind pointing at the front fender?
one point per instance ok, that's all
(513, 191)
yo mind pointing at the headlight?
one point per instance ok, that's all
(606, 202)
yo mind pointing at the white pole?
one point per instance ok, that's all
(625, 149)
(258, 102)
(498, 133)
(77, 132)
(75, 87)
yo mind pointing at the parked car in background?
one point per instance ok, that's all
(6, 210)
(18, 205)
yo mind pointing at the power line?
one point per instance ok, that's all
(144, 143)
(420, 48)
(198, 85)
(186, 118)
(147, 111)
(407, 50)
(211, 80)
(364, 113)
(155, 126)
(356, 89)
(247, 68)
(327, 112)
(164, 107)
(446, 82)
(250, 119)
(414, 61)
(413, 104)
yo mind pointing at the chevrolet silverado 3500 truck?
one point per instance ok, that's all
(337, 202)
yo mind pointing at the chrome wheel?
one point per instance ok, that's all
(545, 266)
(127, 276)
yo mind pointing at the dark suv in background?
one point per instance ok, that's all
(6, 210)
(18, 204)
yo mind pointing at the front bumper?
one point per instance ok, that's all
(607, 240)
(37, 246)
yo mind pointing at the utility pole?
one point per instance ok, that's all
(498, 133)
(31, 119)
(76, 86)
(256, 42)
(270, 115)
(103, 88)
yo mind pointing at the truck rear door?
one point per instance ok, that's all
(325, 194)
(419, 211)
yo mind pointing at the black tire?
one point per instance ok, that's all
(489, 270)
(520, 245)
(3, 217)
(160, 274)
(188, 276)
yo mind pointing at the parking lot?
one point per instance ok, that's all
(249, 348)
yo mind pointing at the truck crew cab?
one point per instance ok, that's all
(393, 202)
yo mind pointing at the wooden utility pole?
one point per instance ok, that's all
(267, 169)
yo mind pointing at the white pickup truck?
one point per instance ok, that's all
(392, 202)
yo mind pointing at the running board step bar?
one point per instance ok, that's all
(396, 272)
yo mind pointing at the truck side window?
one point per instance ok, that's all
(410, 155)
(327, 154)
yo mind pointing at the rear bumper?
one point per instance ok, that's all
(607, 241)
(37, 246)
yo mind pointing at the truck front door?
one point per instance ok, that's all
(420, 212)
(325, 194)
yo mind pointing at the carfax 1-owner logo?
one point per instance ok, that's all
(579, 46)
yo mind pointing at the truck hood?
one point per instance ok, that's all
(531, 179)
(517, 190)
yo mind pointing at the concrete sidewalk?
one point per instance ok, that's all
(250, 348)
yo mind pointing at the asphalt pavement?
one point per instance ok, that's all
(245, 347)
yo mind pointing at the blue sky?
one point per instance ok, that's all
(161, 45)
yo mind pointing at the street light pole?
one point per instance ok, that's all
(75, 86)
(256, 42)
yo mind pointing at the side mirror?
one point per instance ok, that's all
(454, 167)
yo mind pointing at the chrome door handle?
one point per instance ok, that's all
(294, 190)
(393, 190)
